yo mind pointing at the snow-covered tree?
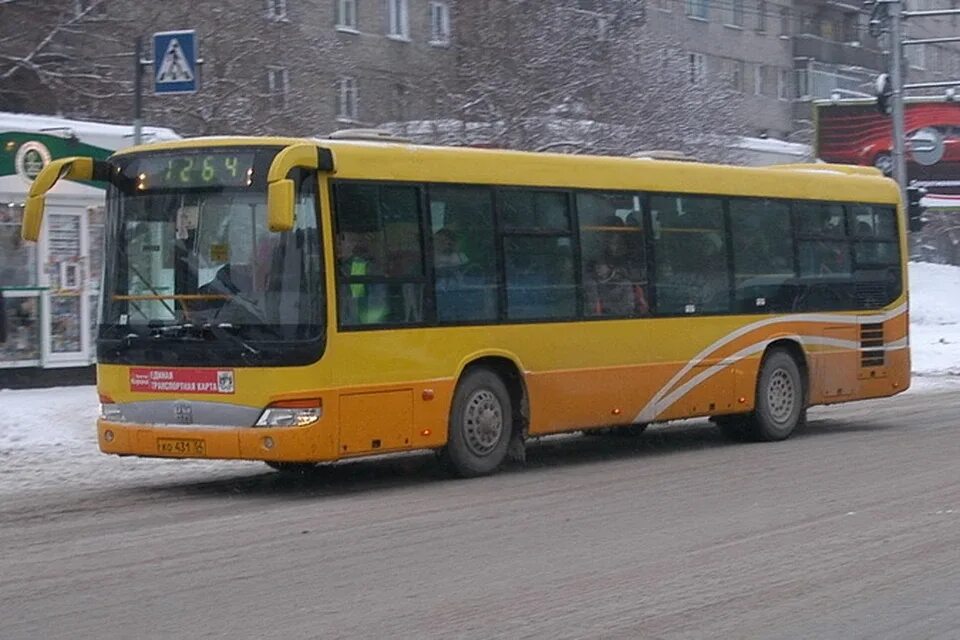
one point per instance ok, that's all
(581, 76)
(76, 58)
(48, 61)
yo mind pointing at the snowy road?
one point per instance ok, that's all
(849, 530)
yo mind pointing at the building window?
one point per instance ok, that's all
(917, 56)
(758, 80)
(851, 27)
(347, 14)
(783, 85)
(698, 9)
(399, 26)
(736, 13)
(278, 84)
(439, 23)
(784, 22)
(277, 9)
(736, 75)
(347, 99)
(761, 15)
(697, 64)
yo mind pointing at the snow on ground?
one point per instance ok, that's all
(50, 433)
(935, 319)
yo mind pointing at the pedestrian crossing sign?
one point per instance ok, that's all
(175, 62)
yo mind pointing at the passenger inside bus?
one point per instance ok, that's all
(360, 302)
(446, 250)
(615, 282)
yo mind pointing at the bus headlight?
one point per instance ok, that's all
(109, 410)
(291, 413)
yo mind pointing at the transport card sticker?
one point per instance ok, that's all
(150, 380)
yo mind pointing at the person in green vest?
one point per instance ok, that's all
(360, 302)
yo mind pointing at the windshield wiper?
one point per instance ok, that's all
(203, 332)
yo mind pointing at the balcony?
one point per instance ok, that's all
(814, 47)
(817, 81)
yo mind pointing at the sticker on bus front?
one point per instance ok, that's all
(151, 380)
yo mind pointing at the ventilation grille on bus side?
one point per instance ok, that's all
(872, 353)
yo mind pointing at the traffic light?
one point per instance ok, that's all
(884, 91)
(914, 208)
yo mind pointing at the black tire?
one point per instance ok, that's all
(734, 427)
(781, 399)
(481, 423)
(293, 468)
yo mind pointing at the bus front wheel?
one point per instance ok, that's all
(481, 422)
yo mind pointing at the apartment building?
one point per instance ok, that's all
(784, 55)
(269, 66)
(312, 66)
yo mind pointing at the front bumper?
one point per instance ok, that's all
(312, 443)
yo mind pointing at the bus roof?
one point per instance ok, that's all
(387, 160)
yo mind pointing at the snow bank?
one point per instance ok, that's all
(935, 319)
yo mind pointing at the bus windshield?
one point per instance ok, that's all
(194, 274)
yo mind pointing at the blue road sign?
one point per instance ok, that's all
(175, 62)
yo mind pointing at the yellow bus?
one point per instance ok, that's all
(300, 301)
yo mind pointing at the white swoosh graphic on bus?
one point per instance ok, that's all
(649, 412)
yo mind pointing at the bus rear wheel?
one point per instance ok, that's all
(481, 423)
(780, 403)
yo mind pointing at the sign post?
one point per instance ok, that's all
(176, 69)
(175, 62)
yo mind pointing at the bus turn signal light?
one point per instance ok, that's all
(291, 413)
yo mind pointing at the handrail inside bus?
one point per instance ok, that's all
(281, 191)
(179, 296)
(74, 168)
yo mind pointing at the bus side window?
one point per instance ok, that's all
(824, 254)
(613, 254)
(876, 255)
(763, 268)
(464, 253)
(538, 256)
(379, 254)
(692, 275)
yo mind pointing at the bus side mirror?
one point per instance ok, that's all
(280, 203)
(71, 168)
(281, 191)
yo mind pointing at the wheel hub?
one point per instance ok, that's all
(780, 396)
(483, 422)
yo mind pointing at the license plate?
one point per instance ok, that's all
(181, 447)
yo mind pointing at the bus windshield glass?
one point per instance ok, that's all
(194, 274)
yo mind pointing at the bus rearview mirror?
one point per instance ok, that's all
(73, 168)
(281, 190)
(280, 197)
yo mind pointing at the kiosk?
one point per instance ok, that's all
(50, 288)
